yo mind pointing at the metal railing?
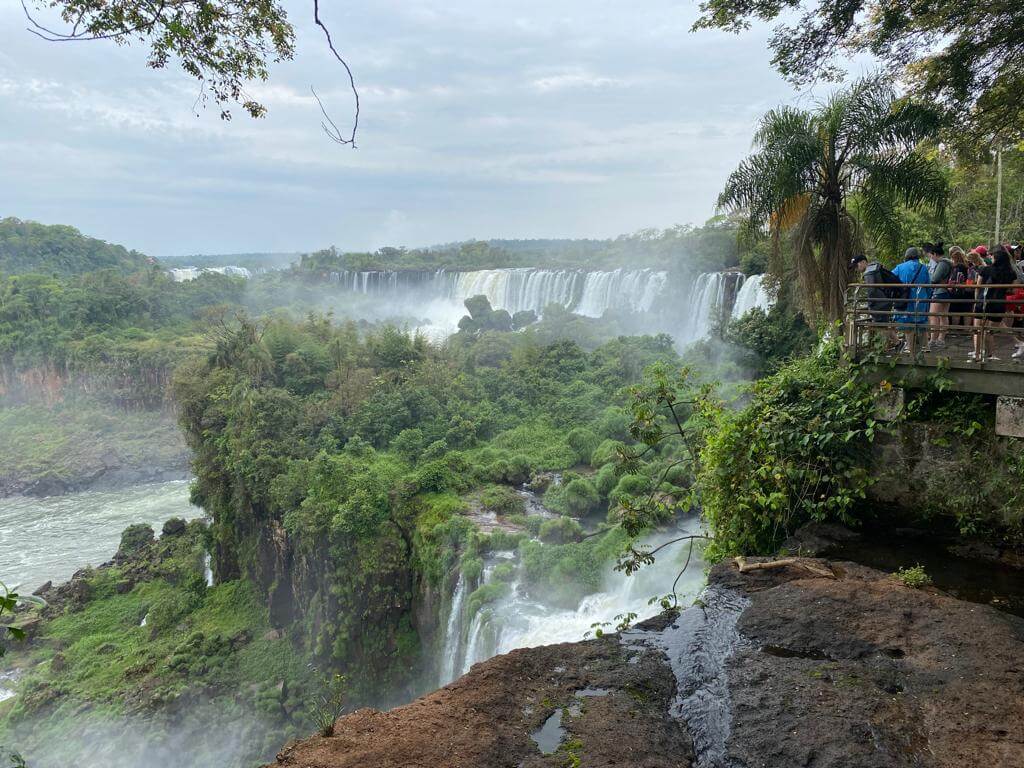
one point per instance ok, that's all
(966, 332)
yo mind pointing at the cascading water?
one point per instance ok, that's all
(522, 619)
(752, 295)
(183, 274)
(589, 293)
(208, 569)
(451, 654)
(707, 300)
(438, 295)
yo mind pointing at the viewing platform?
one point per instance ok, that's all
(896, 333)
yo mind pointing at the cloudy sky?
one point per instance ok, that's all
(563, 118)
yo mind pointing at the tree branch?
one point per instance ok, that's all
(333, 132)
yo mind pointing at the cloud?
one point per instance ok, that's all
(575, 79)
(508, 118)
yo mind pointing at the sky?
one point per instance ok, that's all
(564, 118)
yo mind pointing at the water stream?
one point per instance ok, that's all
(49, 539)
(525, 619)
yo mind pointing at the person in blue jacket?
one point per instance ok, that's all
(915, 312)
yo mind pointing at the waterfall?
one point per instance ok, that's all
(451, 658)
(436, 296)
(752, 294)
(183, 274)
(207, 569)
(707, 298)
(589, 293)
(522, 620)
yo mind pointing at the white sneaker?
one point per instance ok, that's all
(1018, 353)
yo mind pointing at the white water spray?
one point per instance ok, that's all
(752, 295)
(523, 620)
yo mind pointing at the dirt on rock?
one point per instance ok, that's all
(856, 671)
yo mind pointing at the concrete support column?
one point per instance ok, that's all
(889, 402)
(1010, 416)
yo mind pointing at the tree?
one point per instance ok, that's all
(224, 44)
(860, 147)
(961, 54)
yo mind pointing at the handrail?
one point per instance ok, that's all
(953, 286)
(975, 340)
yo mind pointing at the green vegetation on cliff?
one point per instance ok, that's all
(338, 467)
(27, 246)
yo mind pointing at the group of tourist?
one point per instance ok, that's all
(929, 288)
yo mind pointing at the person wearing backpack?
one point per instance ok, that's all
(886, 292)
(939, 270)
(914, 274)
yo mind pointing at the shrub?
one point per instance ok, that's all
(613, 424)
(607, 451)
(606, 479)
(914, 577)
(629, 485)
(485, 594)
(533, 524)
(798, 452)
(502, 500)
(581, 497)
(583, 441)
(134, 539)
(560, 530)
(409, 444)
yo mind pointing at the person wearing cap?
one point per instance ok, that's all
(879, 298)
(913, 273)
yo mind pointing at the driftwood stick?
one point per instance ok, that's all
(744, 566)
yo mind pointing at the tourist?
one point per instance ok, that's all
(990, 306)
(961, 299)
(880, 299)
(912, 272)
(939, 270)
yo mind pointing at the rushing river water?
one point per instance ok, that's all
(49, 539)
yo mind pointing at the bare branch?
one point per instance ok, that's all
(332, 132)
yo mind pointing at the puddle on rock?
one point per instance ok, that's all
(549, 736)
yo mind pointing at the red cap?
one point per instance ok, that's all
(981, 250)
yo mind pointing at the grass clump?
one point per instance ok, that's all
(914, 577)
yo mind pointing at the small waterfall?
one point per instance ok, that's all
(452, 653)
(207, 569)
(522, 620)
(706, 300)
(752, 294)
(183, 274)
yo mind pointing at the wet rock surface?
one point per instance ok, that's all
(612, 713)
(855, 671)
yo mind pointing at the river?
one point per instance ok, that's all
(48, 539)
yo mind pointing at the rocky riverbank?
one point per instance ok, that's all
(840, 666)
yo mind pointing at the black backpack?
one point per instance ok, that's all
(892, 287)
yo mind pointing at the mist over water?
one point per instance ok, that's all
(48, 539)
(524, 620)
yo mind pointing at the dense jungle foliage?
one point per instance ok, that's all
(27, 246)
(370, 451)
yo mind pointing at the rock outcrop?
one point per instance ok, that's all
(855, 671)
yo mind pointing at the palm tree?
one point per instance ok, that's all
(858, 149)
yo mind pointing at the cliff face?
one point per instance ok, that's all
(778, 667)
